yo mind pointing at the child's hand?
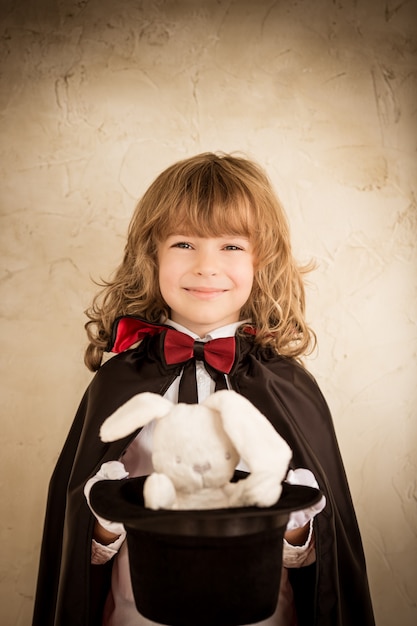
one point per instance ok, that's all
(112, 470)
(298, 519)
(159, 492)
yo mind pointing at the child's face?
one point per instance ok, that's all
(205, 280)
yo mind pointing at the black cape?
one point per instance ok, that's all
(331, 592)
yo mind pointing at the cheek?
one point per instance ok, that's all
(245, 277)
(162, 280)
(165, 288)
(166, 275)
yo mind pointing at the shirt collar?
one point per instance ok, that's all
(224, 331)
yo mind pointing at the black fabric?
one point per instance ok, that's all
(289, 397)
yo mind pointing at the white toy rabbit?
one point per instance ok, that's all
(196, 448)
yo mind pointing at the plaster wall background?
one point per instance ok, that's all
(96, 98)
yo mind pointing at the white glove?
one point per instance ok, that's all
(112, 470)
(298, 519)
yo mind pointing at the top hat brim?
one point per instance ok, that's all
(122, 501)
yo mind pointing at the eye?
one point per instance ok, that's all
(233, 247)
(177, 459)
(183, 245)
(236, 244)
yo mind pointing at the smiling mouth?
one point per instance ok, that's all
(205, 292)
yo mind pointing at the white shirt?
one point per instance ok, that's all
(120, 607)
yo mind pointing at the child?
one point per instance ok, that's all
(208, 253)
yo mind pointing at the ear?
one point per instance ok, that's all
(253, 435)
(136, 412)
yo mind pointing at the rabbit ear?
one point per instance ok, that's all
(254, 437)
(136, 412)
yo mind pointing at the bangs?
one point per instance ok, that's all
(205, 201)
(207, 220)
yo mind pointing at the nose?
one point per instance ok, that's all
(205, 264)
(202, 469)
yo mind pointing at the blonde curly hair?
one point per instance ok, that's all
(208, 195)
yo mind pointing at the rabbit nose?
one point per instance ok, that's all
(201, 469)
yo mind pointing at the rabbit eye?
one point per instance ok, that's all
(227, 455)
(178, 459)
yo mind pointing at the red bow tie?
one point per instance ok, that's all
(219, 353)
(178, 347)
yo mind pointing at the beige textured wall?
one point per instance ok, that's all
(96, 97)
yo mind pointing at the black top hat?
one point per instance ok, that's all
(215, 567)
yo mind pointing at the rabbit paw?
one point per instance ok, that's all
(159, 492)
(259, 489)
